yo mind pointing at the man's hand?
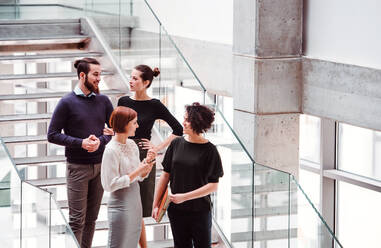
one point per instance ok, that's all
(91, 144)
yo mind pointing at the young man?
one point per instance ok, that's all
(82, 115)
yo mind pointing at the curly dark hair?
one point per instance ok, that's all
(200, 117)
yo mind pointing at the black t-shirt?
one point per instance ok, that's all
(149, 111)
(191, 166)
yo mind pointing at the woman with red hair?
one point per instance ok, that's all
(121, 170)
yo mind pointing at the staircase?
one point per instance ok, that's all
(36, 70)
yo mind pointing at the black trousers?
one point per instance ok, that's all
(190, 229)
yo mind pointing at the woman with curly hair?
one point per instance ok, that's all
(193, 167)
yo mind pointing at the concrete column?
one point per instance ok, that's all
(267, 79)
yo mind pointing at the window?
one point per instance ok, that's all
(359, 216)
(309, 139)
(359, 151)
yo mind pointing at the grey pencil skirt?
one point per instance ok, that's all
(125, 217)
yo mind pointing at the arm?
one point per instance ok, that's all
(57, 123)
(173, 123)
(150, 159)
(159, 191)
(194, 194)
(105, 138)
(166, 142)
(110, 176)
(177, 129)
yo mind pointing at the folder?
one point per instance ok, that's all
(164, 203)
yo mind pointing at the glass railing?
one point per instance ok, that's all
(29, 216)
(255, 206)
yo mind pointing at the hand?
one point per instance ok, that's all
(155, 213)
(91, 144)
(108, 131)
(177, 198)
(151, 155)
(145, 167)
(146, 145)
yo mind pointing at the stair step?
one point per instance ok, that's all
(5, 119)
(34, 30)
(168, 243)
(103, 224)
(263, 235)
(40, 160)
(259, 189)
(50, 95)
(48, 182)
(38, 21)
(44, 77)
(63, 39)
(35, 139)
(262, 212)
(47, 57)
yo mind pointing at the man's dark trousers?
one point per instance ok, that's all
(85, 192)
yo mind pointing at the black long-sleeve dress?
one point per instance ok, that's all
(148, 112)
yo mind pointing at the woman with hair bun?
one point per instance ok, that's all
(193, 167)
(149, 110)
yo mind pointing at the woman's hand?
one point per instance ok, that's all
(145, 167)
(177, 198)
(108, 131)
(151, 155)
(147, 145)
(155, 212)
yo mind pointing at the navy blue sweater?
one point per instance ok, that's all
(79, 117)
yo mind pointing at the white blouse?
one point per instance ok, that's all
(118, 161)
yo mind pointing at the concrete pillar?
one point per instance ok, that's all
(267, 90)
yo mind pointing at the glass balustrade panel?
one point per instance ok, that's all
(308, 228)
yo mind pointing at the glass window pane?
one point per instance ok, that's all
(359, 216)
(310, 138)
(310, 183)
(359, 151)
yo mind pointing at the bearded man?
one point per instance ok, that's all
(82, 115)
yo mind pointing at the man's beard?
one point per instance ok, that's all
(91, 87)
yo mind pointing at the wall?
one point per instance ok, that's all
(210, 20)
(345, 31)
(341, 71)
(202, 30)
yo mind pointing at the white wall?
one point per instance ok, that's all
(346, 31)
(207, 20)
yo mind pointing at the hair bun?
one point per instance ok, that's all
(76, 63)
(156, 72)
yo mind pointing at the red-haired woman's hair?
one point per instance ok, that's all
(120, 117)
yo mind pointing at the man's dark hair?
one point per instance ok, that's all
(83, 65)
(200, 117)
